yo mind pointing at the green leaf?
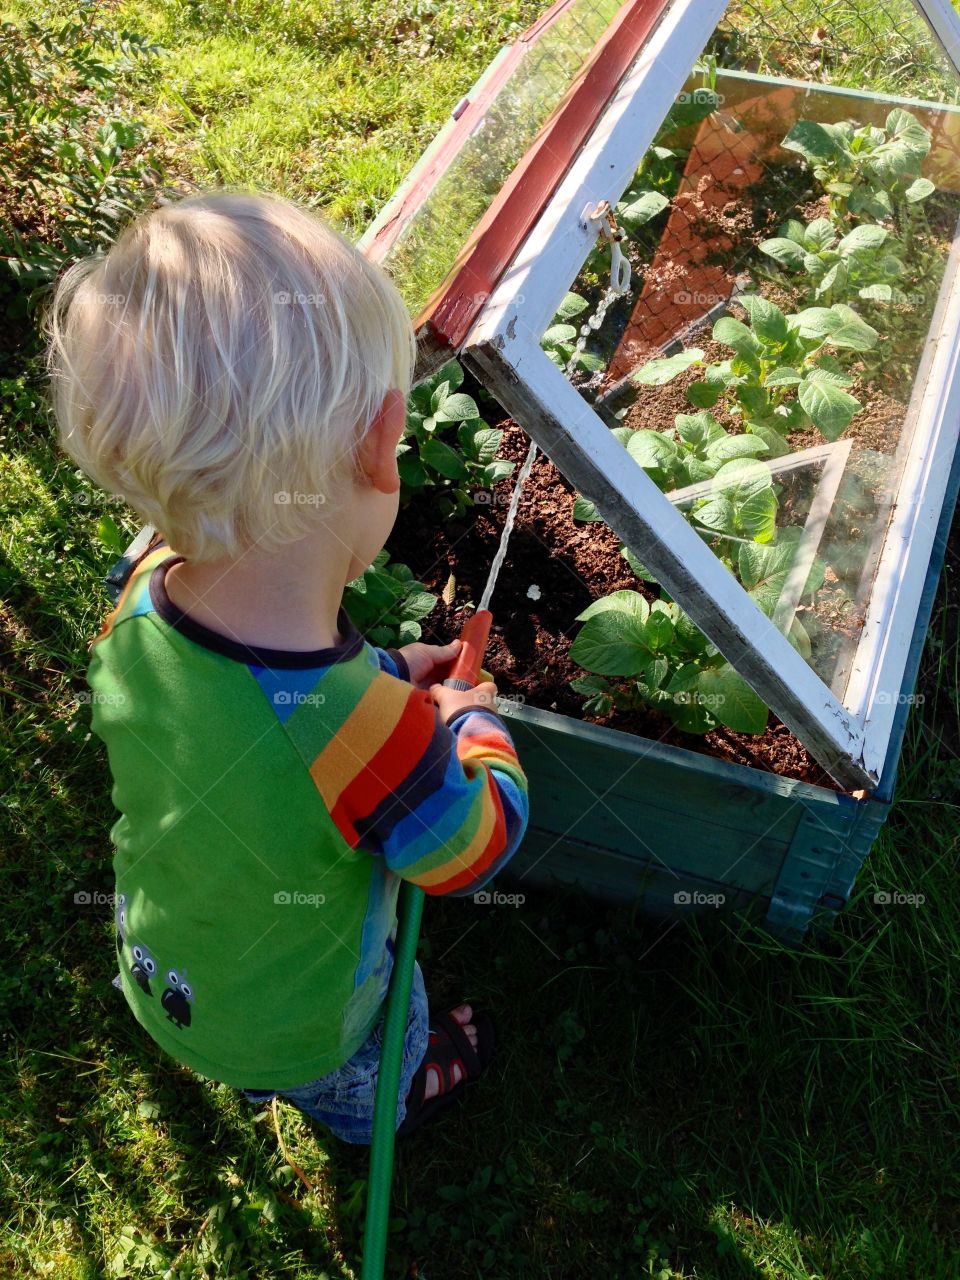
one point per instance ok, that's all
(456, 408)
(729, 698)
(798, 637)
(739, 446)
(757, 515)
(771, 436)
(485, 442)
(654, 452)
(654, 672)
(759, 565)
(642, 210)
(658, 631)
(907, 129)
(110, 536)
(768, 322)
(919, 190)
(819, 234)
(835, 278)
(655, 373)
(611, 643)
(795, 231)
(571, 306)
(815, 265)
(496, 471)
(690, 716)
(559, 333)
(694, 470)
(583, 509)
(442, 458)
(418, 604)
(734, 333)
(782, 377)
(721, 375)
(689, 636)
(812, 141)
(640, 570)
(786, 252)
(591, 362)
(704, 395)
(823, 373)
(829, 406)
(876, 293)
(438, 397)
(685, 677)
(717, 514)
(412, 472)
(753, 399)
(451, 373)
(409, 631)
(814, 322)
(590, 684)
(698, 429)
(741, 479)
(631, 602)
(865, 238)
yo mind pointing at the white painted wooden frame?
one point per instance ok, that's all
(876, 677)
(504, 348)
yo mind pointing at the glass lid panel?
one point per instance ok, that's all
(756, 339)
(426, 248)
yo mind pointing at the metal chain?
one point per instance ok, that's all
(619, 278)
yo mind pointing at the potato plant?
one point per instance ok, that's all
(387, 603)
(668, 661)
(867, 172)
(427, 460)
(815, 260)
(781, 377)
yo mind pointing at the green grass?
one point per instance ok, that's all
(328, 102)
(674, 1101)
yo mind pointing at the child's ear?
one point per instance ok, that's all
(378, 449)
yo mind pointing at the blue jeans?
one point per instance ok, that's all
(343, 1100)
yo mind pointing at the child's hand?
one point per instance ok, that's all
(451, 700)
(423, 660)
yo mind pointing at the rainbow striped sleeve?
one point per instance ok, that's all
(392, 662)
(444, 805)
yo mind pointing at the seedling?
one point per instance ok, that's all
(817, 260)
(870, 172)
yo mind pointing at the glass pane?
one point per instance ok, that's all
(425, 250)
(786, 246)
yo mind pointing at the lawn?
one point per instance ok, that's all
(689, 1102)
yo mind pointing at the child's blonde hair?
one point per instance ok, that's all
(217, 368)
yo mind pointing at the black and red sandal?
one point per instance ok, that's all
(447, 1047)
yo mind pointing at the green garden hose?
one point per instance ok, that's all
(388, 1082)
(464, 673)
